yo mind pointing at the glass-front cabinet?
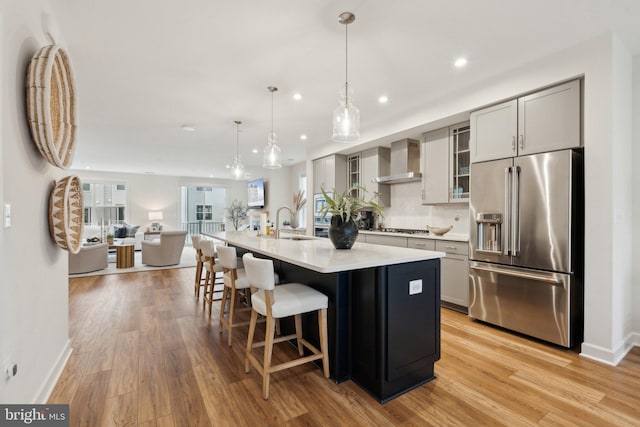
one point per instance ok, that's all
(354, 174)
(445, 165)
(460, 160)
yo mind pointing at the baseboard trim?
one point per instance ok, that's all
(54, 374)
(607, 356)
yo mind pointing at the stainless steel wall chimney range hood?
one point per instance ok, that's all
(405, 163)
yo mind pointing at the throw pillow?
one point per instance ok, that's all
(119, 232)
(131, 230)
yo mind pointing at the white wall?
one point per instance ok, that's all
(34, 327)
(635, 250)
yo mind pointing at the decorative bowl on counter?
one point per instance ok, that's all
(439, 231)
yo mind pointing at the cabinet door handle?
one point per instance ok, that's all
(450, 247)
(420, 244)
(513, 143)
(521, 142)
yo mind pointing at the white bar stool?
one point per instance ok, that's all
(211, 278)
(235, 281)
(275, 302)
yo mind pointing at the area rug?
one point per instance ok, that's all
(188, 259)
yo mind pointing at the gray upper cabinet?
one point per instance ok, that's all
(543, 121)
(550, 119)
(445, 165)
(493, 132)
(330, 172)
(435, 167)
(374, 163)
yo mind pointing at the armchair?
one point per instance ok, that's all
(90, 258)
(166, 251)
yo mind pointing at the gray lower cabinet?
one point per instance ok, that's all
(454, 268)
(387, 240)
(454, 280)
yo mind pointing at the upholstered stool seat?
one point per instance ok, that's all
(274, 302)
(290, 299)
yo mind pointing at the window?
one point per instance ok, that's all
(202, 209)
(104, 203)
(204, 212)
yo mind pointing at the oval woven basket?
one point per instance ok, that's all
(52, 105)
(65, 213)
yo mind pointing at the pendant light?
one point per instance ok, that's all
(237, 169)
(346, 118)
(271, 153)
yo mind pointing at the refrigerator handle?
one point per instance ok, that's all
(507, 211)
(515, 212)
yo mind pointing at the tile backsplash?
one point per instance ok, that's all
(407, 211)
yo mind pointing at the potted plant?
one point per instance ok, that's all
(237, 213)
(298, 202)
(345, 210)
(110, 239)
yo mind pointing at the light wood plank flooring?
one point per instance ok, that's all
(145, 354)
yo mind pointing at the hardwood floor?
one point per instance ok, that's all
(146, 354)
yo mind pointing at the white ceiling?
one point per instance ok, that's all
(144, 68)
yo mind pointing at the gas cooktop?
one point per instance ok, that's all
(402, 230)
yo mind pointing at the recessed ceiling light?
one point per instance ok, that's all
(460, 62)
(383, 99)
(297, 96)
(188, 128)
(87, 167)
(210, 176)
(254, 151)
(227, 166)
(303, 137)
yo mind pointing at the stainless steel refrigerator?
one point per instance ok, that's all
(526, 245)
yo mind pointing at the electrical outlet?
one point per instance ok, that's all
(415, 287)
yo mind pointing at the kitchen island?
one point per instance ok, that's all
(384, 306)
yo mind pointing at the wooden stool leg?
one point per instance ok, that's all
(298, 318)
(322, 324)
(268, 352)
(196, 288)
(232, 307)
(223, 305)
(252, 330)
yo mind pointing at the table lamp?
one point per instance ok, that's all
(155, 216)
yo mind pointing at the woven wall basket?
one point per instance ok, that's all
(52, 105)
(65, 213)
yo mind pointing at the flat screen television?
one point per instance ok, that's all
(255, 193)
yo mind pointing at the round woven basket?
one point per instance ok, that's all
(52, 105)
(65, 213)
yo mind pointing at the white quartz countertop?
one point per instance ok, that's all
(318, 254)
(449, 236)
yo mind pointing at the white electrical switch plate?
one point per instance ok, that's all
(415, 287)
(7, 215)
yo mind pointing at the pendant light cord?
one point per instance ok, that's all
(237, 142)
(271, 136)
(346, 63)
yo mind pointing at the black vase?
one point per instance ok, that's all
(343, 234)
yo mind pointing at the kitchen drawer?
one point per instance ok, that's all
(451, 247)
(387, 240)
(417, 243)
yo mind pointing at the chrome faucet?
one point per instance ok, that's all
(278, 220)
